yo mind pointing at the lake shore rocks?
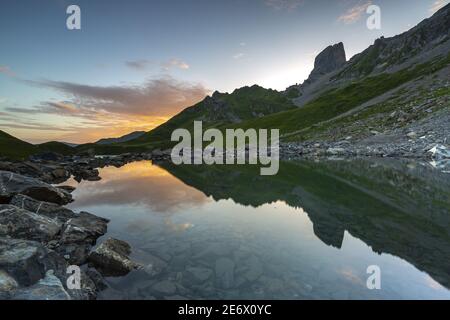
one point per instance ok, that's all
(29, 270)
(12, 183)
(111, 258)
(40, 239)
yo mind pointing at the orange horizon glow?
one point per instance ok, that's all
(88, 134)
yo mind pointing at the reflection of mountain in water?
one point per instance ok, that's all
(397, 208)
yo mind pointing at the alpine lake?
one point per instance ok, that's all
(313, 231)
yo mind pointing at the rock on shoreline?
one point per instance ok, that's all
(39, 239)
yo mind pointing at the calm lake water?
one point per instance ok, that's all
(310, 232)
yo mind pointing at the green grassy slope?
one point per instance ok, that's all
(14, 148)
(245, 103)
(338, 101)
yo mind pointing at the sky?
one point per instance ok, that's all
(136, 63)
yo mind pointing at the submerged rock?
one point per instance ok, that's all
(165, 287)
(197, 275)
(12, 184)
(225, 273)
(111, 258)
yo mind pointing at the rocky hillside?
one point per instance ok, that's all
(405, 76)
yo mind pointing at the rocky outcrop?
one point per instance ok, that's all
(111, 258)
(428, 39)
(12, 184)
(78, 235)
(329, 60)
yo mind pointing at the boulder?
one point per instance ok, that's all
(197, 275)
(7, 283)
(225, 273)
(68, 189)
(48, 288)
(33, 271)
(336, 151)
(111, 258)
(164, 287)
(23, 224)
(84, 227)
(50, 210)
(12, 184)
(88, 174)
(28, 261)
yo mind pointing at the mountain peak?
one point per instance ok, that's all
(330, 59)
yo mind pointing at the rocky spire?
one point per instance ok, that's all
(329, 60)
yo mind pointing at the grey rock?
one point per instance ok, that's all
(225, 272)
(48, 288)
(97, 278)
(330, 59)
(154, 266)
(197, 274)
(255, 269)
(23, 224)
(336, 151)
(111, 258)
(84, 228)
(29, 262)
(7, 283)
(50, 210)
(68, 189)
(165, 287)
(12, 184)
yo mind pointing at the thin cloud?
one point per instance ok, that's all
(438, 4)
(164, 96)
(239, 55)
(284, 4)
(174, 63)
(40, 127)
(354, 13)
(139, 65)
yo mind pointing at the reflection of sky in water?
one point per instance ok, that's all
(158, 214)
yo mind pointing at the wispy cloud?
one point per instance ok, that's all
(438, 4)
(284, 4)
(354, 13)
(139, 65)
(239, 55)
(174, 63)
(163, 96)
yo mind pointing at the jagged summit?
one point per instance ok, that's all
(329, 60)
